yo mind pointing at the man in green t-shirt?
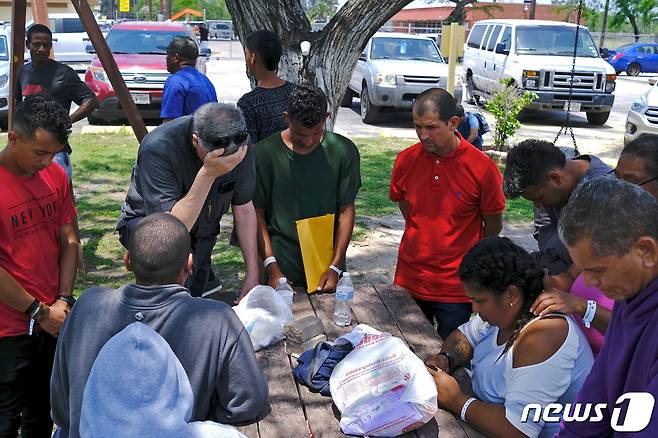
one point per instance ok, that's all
(304, 172)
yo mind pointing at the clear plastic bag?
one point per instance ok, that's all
(381, 388)
(263, 313)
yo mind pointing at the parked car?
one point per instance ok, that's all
(5, 38)
(393, 70)
(69, 40)
(643, 115)
(634, 59)
(142, 63)
(221, 30)
(538, 56)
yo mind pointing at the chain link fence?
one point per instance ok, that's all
(615, 40)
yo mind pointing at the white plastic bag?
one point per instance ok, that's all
(381, 388)
(263, 313)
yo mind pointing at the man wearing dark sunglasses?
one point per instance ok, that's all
(196, 167)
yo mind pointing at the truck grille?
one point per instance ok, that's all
(421, 79)
(582, 81)
(652, 115)
(150, 80)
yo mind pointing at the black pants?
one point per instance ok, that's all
(448, 316)
(26, 363)
(203, 277)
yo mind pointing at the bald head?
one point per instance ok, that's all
(438, 101)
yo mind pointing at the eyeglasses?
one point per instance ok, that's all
(223, 142)
(637, 184)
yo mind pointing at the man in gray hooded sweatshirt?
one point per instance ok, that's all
(206, 336)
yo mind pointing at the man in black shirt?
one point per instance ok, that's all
(180, 169)
(44, 75)
(263, 107)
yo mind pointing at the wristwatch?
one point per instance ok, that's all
(447, 355)
(68, 299)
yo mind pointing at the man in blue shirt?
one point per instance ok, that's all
(469, 127)
(187, 88)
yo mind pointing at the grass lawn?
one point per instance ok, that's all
(102, 165)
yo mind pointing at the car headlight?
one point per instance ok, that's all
(639, 106)
(3, 80)
(385, 78)
(99, 74)
(530, 79)
(610, 83)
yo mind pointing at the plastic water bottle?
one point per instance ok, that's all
(344, 297)
(284, 290)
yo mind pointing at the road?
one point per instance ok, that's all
(226, 69)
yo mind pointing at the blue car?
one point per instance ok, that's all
(635, 58)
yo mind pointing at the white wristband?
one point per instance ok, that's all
(268, 261)
(465, 407)
(335, 269)
(589, 313)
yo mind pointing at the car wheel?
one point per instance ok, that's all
(346, 102)
(633, 69)
(598, 118)
(369, 112)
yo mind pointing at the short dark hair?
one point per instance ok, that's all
(40, 111)
(307, 105)
(159, 247)
(612, 213)
(436, 100)
(645, 147)
(528, 164)
(460, 111)
(497, 263)
(37, 28)
(267, 45)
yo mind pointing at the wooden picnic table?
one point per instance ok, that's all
(297, 412)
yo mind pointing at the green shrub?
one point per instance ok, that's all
(505, 105)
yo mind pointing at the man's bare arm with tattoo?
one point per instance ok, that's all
(457, 348)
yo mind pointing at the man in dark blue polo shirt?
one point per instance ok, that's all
(181, 169)
(187, 88)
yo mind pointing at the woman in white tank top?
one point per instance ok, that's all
(516, 359)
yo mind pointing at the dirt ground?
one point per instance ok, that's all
(372, 260)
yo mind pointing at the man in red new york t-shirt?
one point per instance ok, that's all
(38, 262)
(451, 196)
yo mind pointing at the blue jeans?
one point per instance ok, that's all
(448, 316)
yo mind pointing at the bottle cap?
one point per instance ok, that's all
(283, 280)
(346, 274)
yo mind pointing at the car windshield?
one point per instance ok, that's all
(405, 49)
(555, 41)
(133, 41)
(4, 51)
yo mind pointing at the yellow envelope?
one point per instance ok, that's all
(316, 240)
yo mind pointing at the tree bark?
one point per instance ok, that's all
(604, 25)
(458, 15)
(334, 50)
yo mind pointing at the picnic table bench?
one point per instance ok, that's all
(297, 412)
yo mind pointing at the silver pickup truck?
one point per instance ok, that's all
(393, 70)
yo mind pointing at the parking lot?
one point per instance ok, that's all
(226, 69)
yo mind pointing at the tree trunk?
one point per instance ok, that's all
(636, 31)
(604, 25)
(334, 50)
(458, 15)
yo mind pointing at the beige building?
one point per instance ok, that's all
(54, 7)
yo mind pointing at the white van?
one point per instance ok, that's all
(538, 56)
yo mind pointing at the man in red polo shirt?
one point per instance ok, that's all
(451, 196)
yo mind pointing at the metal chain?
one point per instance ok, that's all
(567, 127)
